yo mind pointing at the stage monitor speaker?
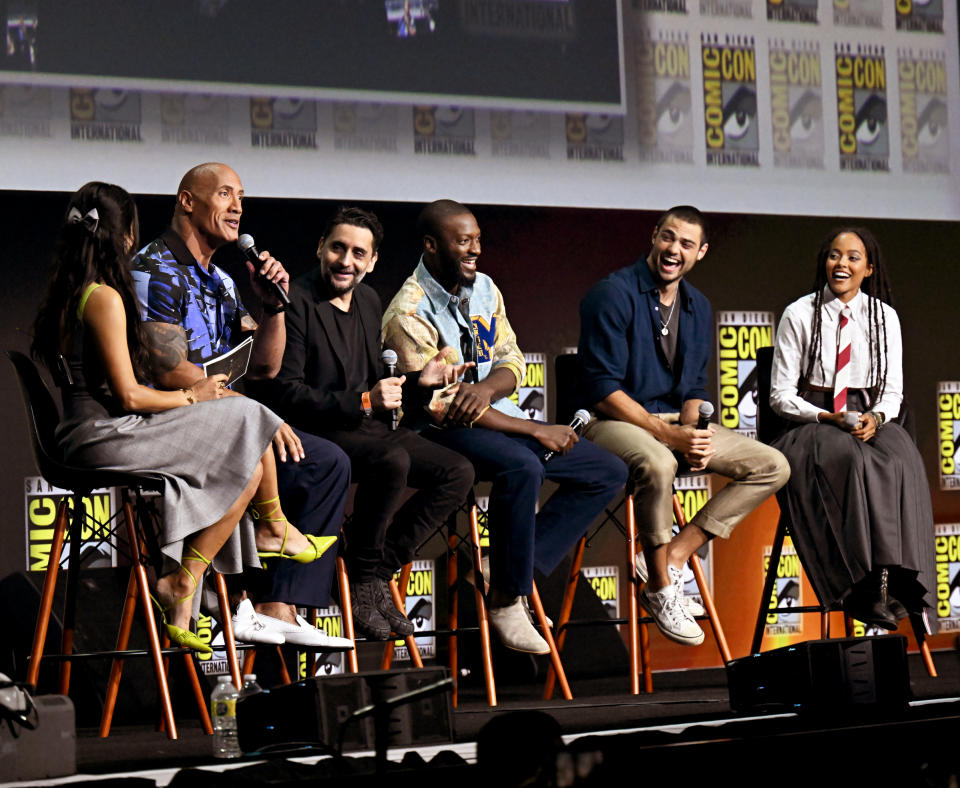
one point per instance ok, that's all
(312, 711)
(823, 675)
(49, 750)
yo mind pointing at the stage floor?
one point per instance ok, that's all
(688, 709)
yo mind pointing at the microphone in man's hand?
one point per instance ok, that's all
(580, 419)
(249, 248)
(706, 413)
(389, 358)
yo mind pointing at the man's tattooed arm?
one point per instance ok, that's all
(167, 344)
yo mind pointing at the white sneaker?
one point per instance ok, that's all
(302, 634)
(694, 608)
(670, 616)
(514, 629)
(249, 628)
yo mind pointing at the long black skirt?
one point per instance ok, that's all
(853, 506)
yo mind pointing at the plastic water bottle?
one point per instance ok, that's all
(223, 711)
(250, 686)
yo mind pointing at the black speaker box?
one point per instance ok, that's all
(823, 675)
(312, 711)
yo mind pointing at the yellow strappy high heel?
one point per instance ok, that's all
(318, 544)
(184, 637)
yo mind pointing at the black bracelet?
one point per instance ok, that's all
(274, 310)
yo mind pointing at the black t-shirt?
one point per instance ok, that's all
(357, 365)
(670, 318)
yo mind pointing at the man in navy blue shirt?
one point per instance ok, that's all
(645, 341)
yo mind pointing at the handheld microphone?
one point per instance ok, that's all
(851, 420)
(389, 358)
(248, 247)
(580, 419)
(706, 413)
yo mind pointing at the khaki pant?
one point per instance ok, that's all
(757, 471)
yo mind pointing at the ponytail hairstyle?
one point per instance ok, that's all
(877, 286)
(94, 244)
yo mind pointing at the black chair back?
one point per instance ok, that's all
(770, 426)
(42, 419)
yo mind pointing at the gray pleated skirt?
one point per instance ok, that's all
(206, 454)
(855, 506)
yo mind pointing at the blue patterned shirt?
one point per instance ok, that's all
(172, 287)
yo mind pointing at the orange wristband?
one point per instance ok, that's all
(365, 403)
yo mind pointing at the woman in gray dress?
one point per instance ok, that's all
(211, 447)
(858, 502)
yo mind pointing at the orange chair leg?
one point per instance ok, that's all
(566, 607)
(399, 594)
(347, 612)
(548, 636)
(46, 597)
(226, 614)
(116, 668)
(249, 658)
(284, 673)
(705, 594)
(453, 604)
(198, 696)
(482, 609)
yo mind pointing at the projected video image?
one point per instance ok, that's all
(410, 18)
(21, 35)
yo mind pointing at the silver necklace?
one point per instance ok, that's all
(663, 325)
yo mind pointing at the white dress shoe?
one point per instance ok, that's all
(513, 627)
(302, 634)
(249, 628)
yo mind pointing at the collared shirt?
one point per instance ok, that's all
(172, 287)
(620, 342)
(423, 318)
(795, 335)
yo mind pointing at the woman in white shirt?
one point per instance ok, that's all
(858, 502)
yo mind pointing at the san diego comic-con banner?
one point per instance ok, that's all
(730, 99)
(948, 421)
(41, 500)
(605, 582)
(924, 137)
(858, 13)
(796, 103)
(862, 123)
(787, 593)
(792, 11)
(739, 335)
(330, 620)
(421, 608)
(663, 95)
(947, 546)
(920, 16)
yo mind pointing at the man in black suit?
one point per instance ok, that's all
(332, 383)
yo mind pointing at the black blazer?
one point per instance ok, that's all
(309, 390)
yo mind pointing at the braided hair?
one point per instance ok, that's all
(877, 286)
(94, 244)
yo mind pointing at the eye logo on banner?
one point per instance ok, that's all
(796, 104)
(25, 111)
(858, 13)
(365, 127)
(664, 104)
(921, 16)
(330, 620)
(531, 396)
(594, 137)
(444, 131)
(947, 546)
(739, 335)
(194, 118)
(737, 9)
(421, 609)
(730, 100)
(786, 594)
(605, 582)
(283, 123)
(104, 115)
(520, 134)
(40, 502)
(948, 417)
(862, 107)
(924, 133)
(792, 11)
